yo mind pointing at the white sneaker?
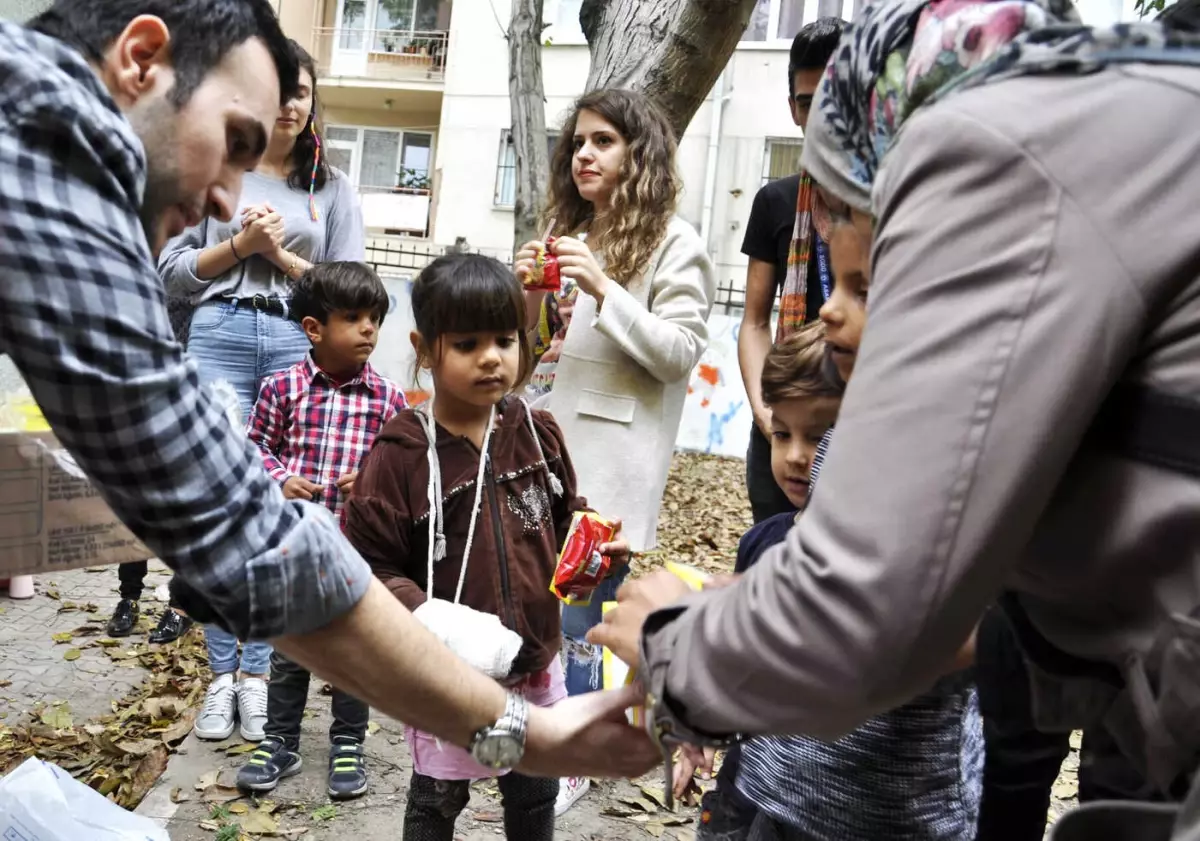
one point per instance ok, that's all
(252, 708)
(570, 789)
(217, 717)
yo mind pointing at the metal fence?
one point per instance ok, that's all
(399, 257)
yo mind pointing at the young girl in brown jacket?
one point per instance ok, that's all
(475, 491)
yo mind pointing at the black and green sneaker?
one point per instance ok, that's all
(347, 769)
(268, 765)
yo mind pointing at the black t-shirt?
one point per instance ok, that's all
(769, 236)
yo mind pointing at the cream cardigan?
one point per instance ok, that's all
(622, 379)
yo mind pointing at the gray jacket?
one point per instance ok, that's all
(1035, 244)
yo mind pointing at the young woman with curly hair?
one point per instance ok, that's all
(639, 285)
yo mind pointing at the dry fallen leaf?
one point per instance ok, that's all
(233, 750)
(72, 654)
(259, 822)
(178, 795)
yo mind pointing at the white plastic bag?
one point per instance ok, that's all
(40, 802)
(479, 638)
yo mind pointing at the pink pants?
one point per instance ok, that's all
(435, 758)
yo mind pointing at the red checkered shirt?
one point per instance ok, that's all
(309, 426)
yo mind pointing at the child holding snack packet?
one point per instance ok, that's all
(461, 508)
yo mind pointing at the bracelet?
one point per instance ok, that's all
(291, 268)
(233, 250)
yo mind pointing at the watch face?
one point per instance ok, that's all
(499, 750)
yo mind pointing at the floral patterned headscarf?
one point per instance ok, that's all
(901, 54)
(895, 54)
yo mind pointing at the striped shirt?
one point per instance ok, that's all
(912, 774)
(308, 425)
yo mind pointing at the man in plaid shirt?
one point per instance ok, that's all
(314, 423)
(121, 123)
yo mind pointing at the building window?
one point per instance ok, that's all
(381, 159)
(780, 20)
(782, 158)
(506, 168)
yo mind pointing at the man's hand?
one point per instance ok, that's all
(589, 735)
(345, 484)
(297, 487)
(621, 630)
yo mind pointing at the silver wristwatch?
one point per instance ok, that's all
(502, 745)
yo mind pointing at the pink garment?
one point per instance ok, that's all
(442, 761)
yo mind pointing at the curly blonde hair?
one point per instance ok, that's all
(647, 190)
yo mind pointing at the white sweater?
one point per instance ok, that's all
(622, 378)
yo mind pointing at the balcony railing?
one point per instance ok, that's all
(396, 209)
(382, 54)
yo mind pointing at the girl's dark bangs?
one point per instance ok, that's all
(480, 302)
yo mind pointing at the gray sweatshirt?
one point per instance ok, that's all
(336, 235)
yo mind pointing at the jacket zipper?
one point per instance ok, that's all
(498, 533)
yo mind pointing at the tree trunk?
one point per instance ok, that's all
(671, 50)
(528, 101)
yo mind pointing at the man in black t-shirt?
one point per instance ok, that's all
(767, 243)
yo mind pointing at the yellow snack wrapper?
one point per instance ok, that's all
(615, 671)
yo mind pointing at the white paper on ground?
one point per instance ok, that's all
(41, 802)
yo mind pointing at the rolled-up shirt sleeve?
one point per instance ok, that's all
(83, 315)
(991, 340)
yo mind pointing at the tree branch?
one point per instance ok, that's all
(526, 94)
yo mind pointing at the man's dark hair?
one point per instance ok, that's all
(202, 32)
(813, 46)
(339, 286)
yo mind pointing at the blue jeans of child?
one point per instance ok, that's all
(583, 659)
(241, 346)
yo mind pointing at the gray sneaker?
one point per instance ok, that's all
(252, 708)
(218, 716)
(267, 766)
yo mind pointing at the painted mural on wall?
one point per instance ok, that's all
(716, 415)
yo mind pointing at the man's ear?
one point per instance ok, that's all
(312, 329)
(139, 60)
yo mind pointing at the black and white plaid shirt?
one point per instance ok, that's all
(83, 314)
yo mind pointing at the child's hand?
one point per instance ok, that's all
(297, 487)
(576, 261)
(524, 259)
(346, 483)
(618, 549)
(690, 760)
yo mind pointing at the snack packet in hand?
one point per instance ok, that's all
(580, 565)
(544, 275)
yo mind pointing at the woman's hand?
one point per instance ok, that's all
(255, 211)
(576, 261)
(263, 235)
(617, 549)
(526, 258)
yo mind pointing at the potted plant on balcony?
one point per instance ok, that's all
(408, 180)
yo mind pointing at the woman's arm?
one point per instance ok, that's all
(187, 266)
(668, 338)
(754, 337)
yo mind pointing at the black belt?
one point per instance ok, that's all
(263, 303)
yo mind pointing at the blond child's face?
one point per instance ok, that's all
(845, 313)
(797, 427)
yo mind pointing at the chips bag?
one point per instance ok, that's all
(544, 275)
(615, 672)
(580, 564)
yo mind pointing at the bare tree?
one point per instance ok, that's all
(671, 50)
(528, 102)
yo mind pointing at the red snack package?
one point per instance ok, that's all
(580, 564)
(544, 275)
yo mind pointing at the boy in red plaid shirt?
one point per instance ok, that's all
(314, 423)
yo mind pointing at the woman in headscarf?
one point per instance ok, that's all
(1025, 259)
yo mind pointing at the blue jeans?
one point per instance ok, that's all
(584, 659)
(241, 346)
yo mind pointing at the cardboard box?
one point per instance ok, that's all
(51, 518)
